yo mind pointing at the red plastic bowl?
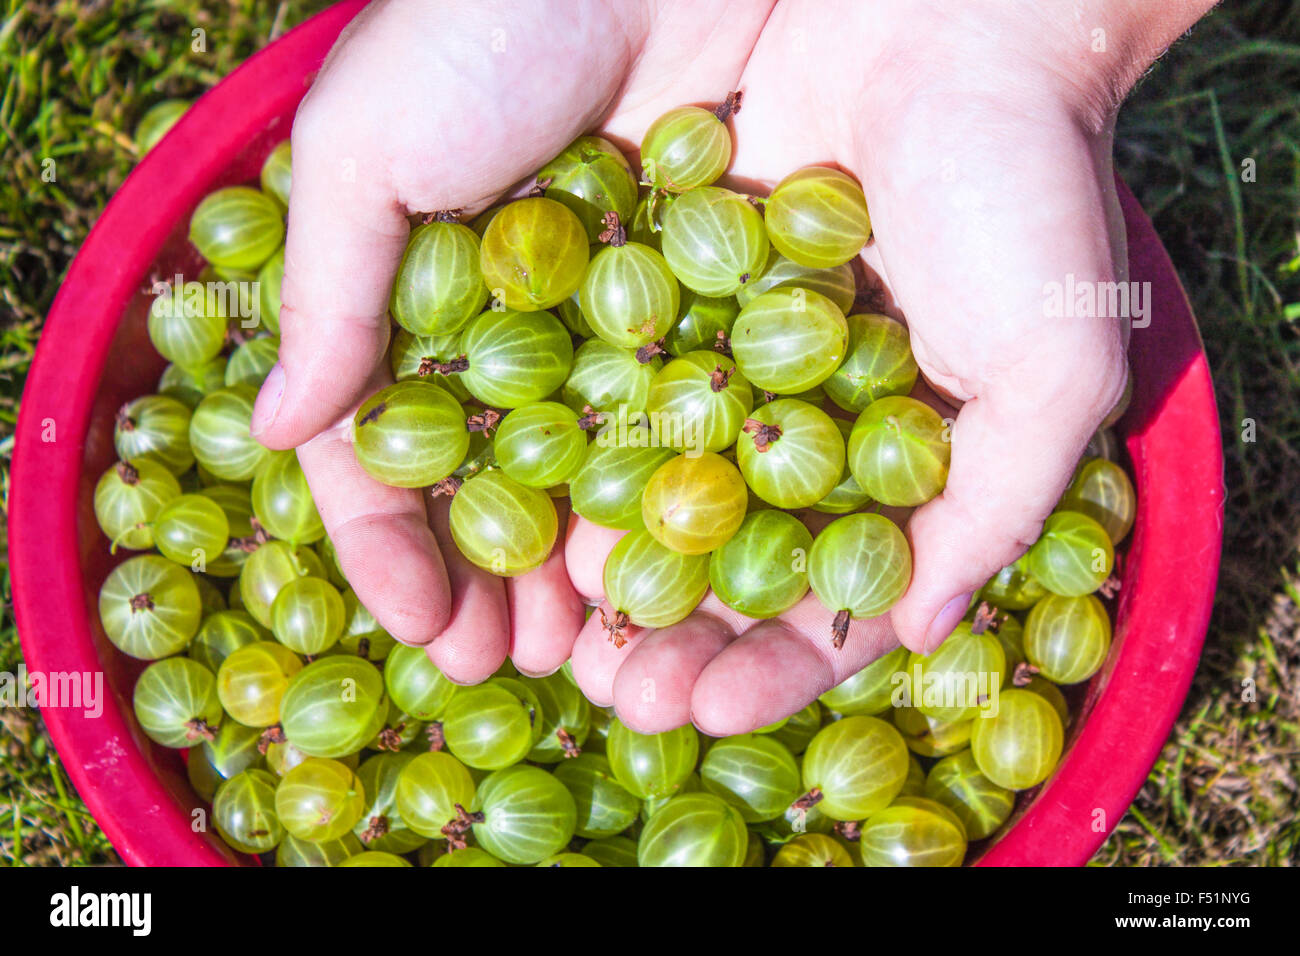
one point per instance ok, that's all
(94, 355)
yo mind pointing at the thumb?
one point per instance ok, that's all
(1014, 449)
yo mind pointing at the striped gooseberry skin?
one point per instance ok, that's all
(913, 834)
(333, 706)
(685, 148)
(319, 799)
(1019, 748)
(570, 311)
(1073, 555)
(980, 804)
(1067, 638)
(878, 363)
(694, 504)
(156, 122)
(899, 451)
(428, 789)
(915, 785)
(652, 804)
(156, 427)
(220, 438)
(815, 850)
(191, 530)
(629, 295)
(789, 340)
(379, 776)
(801, 466)
(269, 278)
(614, 851)
(652, 584)
(837, 284)
(651, 765)
(695, 829)
(189, 385)
(293, 852)
(282, 500)
(410, 434)
(754, 773)
(714, 241)
(128, 497)
(847, 495)
(1102, 491)
(439, 284)
(707, 398)
(608, 377)
(490, 726)
(1045, 689)
(818, 217)
(528, 815)
(221, 634)
(502, 526)
(860, 563)
(277, 173)
(415, 684)
(1014, 587)
(237, 228)
(233, 749)
(307, 616)
(541, 444)
(607, 488)
(175, 700)
(251, 682)
(591, 176)
(188, 325)
(859, 764)
(515, 357)
(149, 607)
(268, 569)
(250, 363)
(870, 691)
(646, 225)
(703, 322)
(413, 357)
(562, 708)
(605, 807)
(930, 736)
(761, 571)
(237, 506)
(533, 255)
(951, 682)
(243, 812)
(371, 858)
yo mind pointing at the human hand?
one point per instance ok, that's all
(424, 107)
(982, 138)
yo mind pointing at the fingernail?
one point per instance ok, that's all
(267, 405)
(946, 621)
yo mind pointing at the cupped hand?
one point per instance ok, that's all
(985, 157)
(423, 107)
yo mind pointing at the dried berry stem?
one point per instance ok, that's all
(456, 829)
(764, 434)
(718, 379)
(142, 602)
(127, 473)
(272, 735)
(1023, 673)
(840, 629)
(647, 352)
(448, 486)
(568, 744)
(808, 800)
(614, 234)
(730, 106)
(617, 628)
(197, 728)
(484, 421)
(373, 414)
(436, 739)
(377, 827)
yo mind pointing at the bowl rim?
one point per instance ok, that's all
(1131, 710)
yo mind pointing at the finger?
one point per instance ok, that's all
(1012, 456)
(477, 636)
(596, 658)
(546, 613)
(779, 666)
(381, 536)
(586, 547)
(345, 239)
(653, 685)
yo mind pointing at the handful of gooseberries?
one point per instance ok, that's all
(695, 378)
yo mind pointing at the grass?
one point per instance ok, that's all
(1224, 792)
